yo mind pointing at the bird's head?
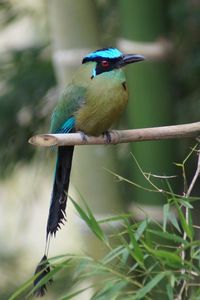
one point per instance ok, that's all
(109, 59)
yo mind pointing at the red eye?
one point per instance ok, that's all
(105, 63)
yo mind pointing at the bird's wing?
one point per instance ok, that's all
(72, 99)
(68, 126)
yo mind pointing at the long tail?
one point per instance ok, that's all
(60, 189)
(56, 211)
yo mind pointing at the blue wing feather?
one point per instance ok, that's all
(68, 126)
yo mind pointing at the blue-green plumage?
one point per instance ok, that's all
(91, 103)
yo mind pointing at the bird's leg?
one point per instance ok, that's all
(107, 136)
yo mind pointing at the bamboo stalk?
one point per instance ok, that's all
(191, 130)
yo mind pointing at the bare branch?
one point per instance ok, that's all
(196, 175)
(120, 136)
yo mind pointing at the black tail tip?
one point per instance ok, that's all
(43, 268)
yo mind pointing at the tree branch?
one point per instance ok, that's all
(119, 136)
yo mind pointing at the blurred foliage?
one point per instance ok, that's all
(185, 32)
(109, 25)
(145, 259)
(8, 12)
(26, 77)
(14, 10)
(9, 265)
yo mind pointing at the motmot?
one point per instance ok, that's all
(91, 103)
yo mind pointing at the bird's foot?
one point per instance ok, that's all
(107, 136)
(83, 136)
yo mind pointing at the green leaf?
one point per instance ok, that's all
(133, 250)
(72, 295)
(116, 252)
(148, 240)
(191, 223)
(178, 165)
(169, 236)
(184, 224)
(115, 218)
(136, 252)
(110, 290)
(21, 289)
(165, 215)
(140, 230)
(141, 293)
(185, 203)
(173, 220)
(169, 258)
(90, 221)
(170, 293)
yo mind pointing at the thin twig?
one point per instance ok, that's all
(119, 136)
(187, 195)
(196, 175)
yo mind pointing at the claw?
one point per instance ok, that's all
(83, 136)
(107, 135)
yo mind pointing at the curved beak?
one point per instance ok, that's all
(130, 59)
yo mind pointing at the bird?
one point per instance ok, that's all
(90, 104)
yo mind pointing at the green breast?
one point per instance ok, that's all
(105, 99)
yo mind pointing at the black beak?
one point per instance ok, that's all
(130, 59)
